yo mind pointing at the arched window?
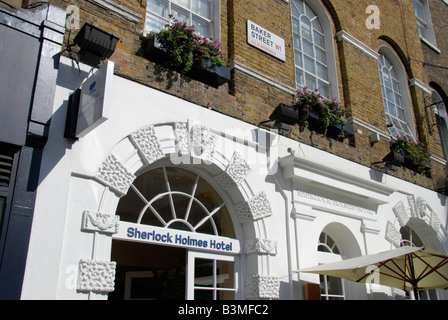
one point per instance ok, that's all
(442, 120)
(313, 50)
(331, 288)
(172, 197)
(395, 97)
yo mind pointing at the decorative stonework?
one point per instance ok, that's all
(96, 276)
(195, 140)
(145, 140)
(261, 246)
(401, 213)
(255, 209)
(100, 222)
(418, 209)
(392, 234)
(237, 170)
(181, 133)
(262, 287)
(114, 175)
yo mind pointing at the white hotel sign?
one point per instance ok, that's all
(265, 40)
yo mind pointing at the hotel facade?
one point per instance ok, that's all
(155, 183)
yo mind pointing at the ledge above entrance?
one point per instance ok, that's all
(338, 175)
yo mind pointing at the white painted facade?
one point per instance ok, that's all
(281, 196)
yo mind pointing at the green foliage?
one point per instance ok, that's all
(187, 50)
(329, 111)
(415, 152)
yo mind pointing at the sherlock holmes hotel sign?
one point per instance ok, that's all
(265, 40)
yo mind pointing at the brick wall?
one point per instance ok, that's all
(251, 95)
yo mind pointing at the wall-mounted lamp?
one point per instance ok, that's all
(95, 44)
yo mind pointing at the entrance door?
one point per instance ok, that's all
(211, 276)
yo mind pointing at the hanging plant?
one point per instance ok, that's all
(416, 153)
(186, 49)
(328, 111)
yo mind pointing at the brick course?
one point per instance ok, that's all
(251, 100)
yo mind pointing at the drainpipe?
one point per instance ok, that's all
(288, 238)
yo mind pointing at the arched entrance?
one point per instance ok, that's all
(179, 242)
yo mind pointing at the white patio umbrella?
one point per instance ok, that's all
(407, 268)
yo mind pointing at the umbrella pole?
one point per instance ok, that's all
(416, 294)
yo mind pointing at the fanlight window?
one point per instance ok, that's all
(171, 197)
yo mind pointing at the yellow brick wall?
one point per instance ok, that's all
(252, 100)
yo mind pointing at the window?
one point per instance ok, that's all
(310, 49)
(442, 121)
(212, 276)
(424, 22)
(171, 197)
(200, 13)
(395, 99)
(331, 288)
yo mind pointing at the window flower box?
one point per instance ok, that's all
(416, 155)
(322, 115)
(180, 49)
(291, 115)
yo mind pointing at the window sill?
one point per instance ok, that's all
(429, 44)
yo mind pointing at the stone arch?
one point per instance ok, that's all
(344, 238)
(418, 215)
(195, 147)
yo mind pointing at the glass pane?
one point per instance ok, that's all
(310, 82)
(295, 26)
(308, 48)
(418, 6)
(297, 42)
(334, 286)
(306, 28)
(298, 58)
(392, 110)
(309, 65)
(225, 275)
(154, 23)
(298, 5)
(203, 273)
(299, 76)
(182, 3)
(158, 7)
(180, 14)
(316, 25)
(321, 56)
(203, 294)
(322, 71)
(201, 7)
(294, 12)
(181, 180)
(319, 39)
(389, 94)
(201, 26)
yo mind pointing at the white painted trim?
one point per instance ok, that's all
(343, 35)
(261, 77)
(119, 10)
(419, 84)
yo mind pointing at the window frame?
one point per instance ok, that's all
(214, 31)
(327, 32)
(406, 105)
(425, 21)
(328, 252)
